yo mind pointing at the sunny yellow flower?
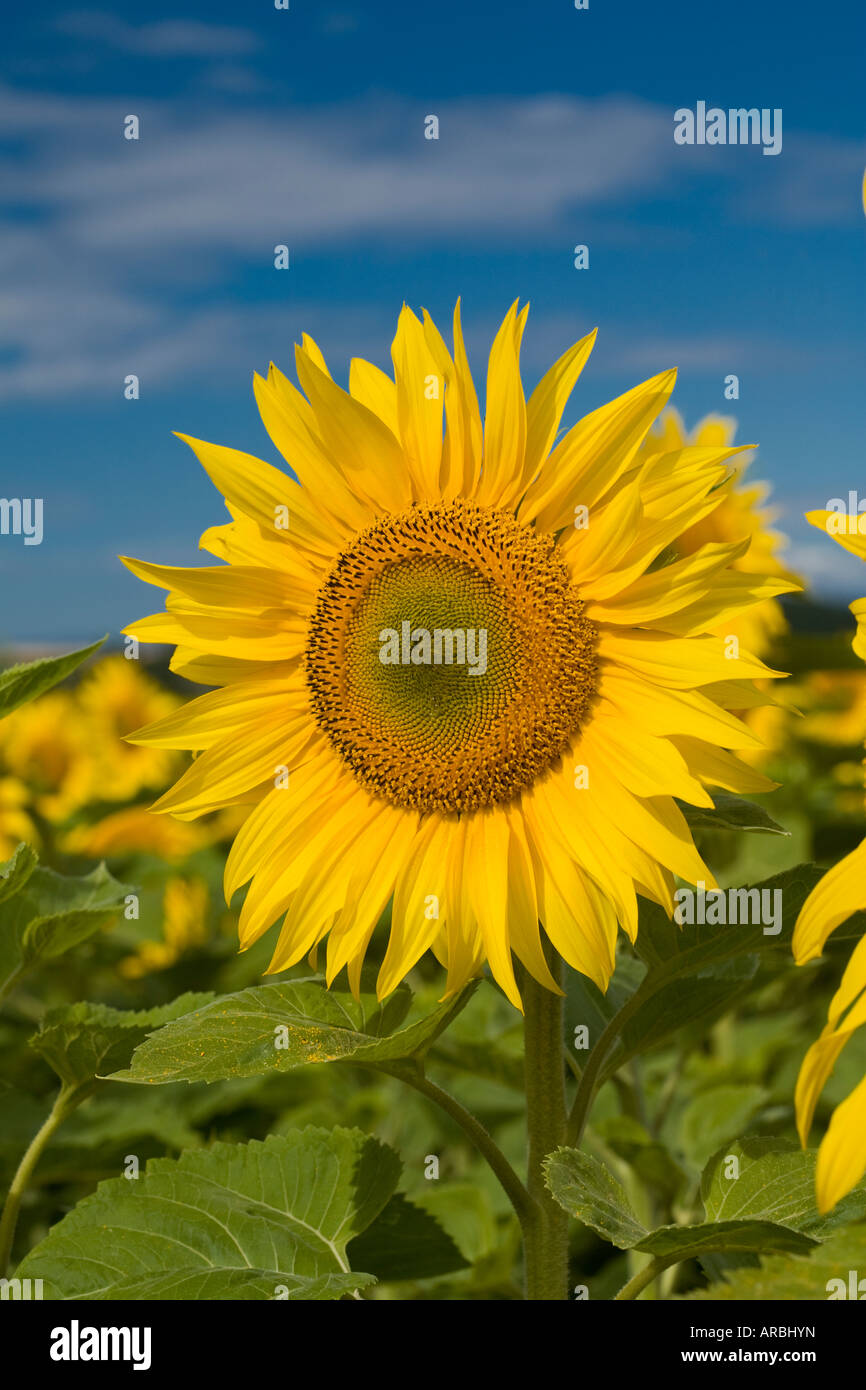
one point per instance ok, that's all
(69, 749)
(16, 823)
(45, 746)
(184, 927)
(740, 515)
(115, 698)
(563, 685)
(840, 893)
(834, 706)
(135, 830)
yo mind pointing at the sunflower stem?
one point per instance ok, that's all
(643, 1278)
(68, 1097)
(598, 1057)
(545, 1232)
(483, 1141)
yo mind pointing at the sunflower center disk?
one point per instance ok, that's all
(449, 659)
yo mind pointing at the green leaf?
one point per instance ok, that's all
(50, 914)
(16, 871)
(717, 1114)
(237, 1285)
(719, 961)
(488, 1061)
(465, 1211)
(68, 910)
(731, 813)
(662, 1011)
(265, 1211)
(19, 684)
(825, 1274)
(675, 1243)
(626, 1137)
(405, 1242)
(279, 1027)
(83, 1041)
(587, 1007)
(676, 951)
(775, 1179)
(588, 1192)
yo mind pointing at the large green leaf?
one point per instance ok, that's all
(771, 1178)
(672, 951)
(696, 971)
(587, 1008)
(279, 1027)
(663, 1009)
(237, 1285)
(672, 1244)
(730, 812)
(18, 684)
(405, 1242)
(465, 1211)
(254, 1214)
(84, 1041)
(832, 1271)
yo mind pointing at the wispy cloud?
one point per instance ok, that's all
(829, 570)
(167, 38)
(121, 252)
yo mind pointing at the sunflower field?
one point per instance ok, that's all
(454, 890)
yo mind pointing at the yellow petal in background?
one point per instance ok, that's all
(840, 893)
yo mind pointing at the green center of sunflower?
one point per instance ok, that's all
(449, 660)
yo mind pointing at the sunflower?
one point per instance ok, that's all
(68, 747)
(741, 513)
(840, 893)
(480, 797)
(15, 821)
(115, 698)
(45, 746)
(185, 905)
(134, 830)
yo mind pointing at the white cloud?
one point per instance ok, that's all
(167, 38)
(127, 250)
(828, 569)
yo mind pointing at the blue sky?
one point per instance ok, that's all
(306, 127)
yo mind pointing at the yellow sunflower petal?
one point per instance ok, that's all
(839, 894)
(842, 1154)
(420, 399)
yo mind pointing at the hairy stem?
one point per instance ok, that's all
(65, 1102)
(483, 1141)
(643, 1277)
(545, 1234)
